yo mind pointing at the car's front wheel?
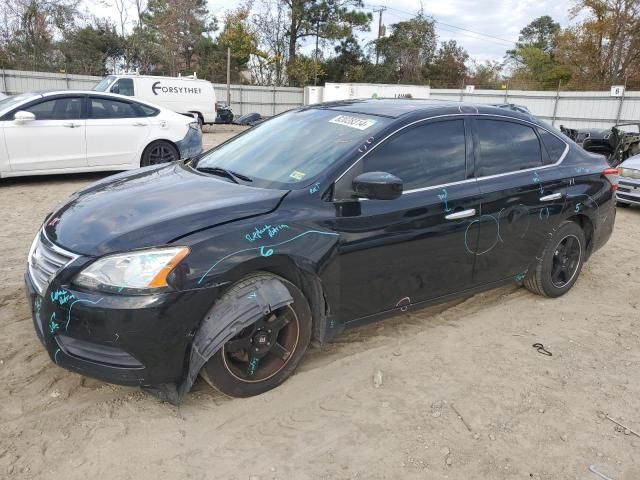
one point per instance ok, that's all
(159, 152)
(557, 269)
(264, 354)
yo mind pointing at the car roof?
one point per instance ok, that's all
(396, 108)
(49, 93)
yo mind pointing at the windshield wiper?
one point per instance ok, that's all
(223, 172)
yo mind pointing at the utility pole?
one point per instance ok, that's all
(228, 76)
(379, 11)
(315, 58)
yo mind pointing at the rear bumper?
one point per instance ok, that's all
(191, 144)
(127, 340)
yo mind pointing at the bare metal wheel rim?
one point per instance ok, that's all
(264, 348)
(161, 154)
(566, 260)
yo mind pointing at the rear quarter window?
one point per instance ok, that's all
(553, 146)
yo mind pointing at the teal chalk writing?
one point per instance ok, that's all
(443, 198)
(53, 325)
(314, 188)
(259, 232)
(265, 250)
(253, 365)
(62, 296)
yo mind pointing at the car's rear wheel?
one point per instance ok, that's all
(557, 269)
(159, 152)
(264, 354)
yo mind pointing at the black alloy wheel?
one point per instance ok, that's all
(557, 268)
(159, 152)
(263, 349)
(566, 260)
(264, 354)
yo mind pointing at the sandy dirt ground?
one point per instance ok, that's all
(463, 393)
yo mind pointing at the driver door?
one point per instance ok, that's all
(54, 140)
(396, 253)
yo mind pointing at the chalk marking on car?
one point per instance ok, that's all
(66, 327)
(261, 249)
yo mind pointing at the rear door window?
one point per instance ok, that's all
(423, 156)
(109, 108)
(506, 147)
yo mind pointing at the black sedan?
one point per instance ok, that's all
(322, 218)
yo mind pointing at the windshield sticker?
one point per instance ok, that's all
(352, 122)
(296, 175)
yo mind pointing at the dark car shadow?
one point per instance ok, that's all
(53, 179)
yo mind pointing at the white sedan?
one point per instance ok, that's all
(80, 131)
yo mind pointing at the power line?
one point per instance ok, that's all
(511, 42)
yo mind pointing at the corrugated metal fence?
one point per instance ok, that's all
(267, 101)
(571, 109)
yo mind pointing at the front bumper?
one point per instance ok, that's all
(127, 340)
(628, 191)
(191, 145)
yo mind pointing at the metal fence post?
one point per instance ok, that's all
(241, 101)
(621, 101)
(506, 93)
(273, 107)
(462, 91)
(555, 105)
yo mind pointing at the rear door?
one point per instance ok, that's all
(54, 140)
(117, 131)
(399, 252)
(522, 197)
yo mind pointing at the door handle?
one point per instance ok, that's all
(461, 214)
(71, 125)
(550, 198)
(139, 124)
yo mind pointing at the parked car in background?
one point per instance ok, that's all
(185, 95)
(322, 218)
(628, 192)
(79, 131)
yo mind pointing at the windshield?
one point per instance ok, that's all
(13, 100)
(104, 83)
(294, 147)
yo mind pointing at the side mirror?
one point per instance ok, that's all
(377, 186)
(23, 117)
(115, 89)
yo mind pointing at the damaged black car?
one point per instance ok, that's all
(322, 218)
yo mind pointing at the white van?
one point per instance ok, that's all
(184, 95)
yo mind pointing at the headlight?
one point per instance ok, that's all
(134, 272)
(630, 173)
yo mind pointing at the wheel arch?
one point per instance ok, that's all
(305, 279)
(587, 227)
(170, 142)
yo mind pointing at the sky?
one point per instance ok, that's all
(500, 20)
(497, 21)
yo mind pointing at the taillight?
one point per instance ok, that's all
(611, 174)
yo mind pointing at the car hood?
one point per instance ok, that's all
(152, 206)
(632, 162)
